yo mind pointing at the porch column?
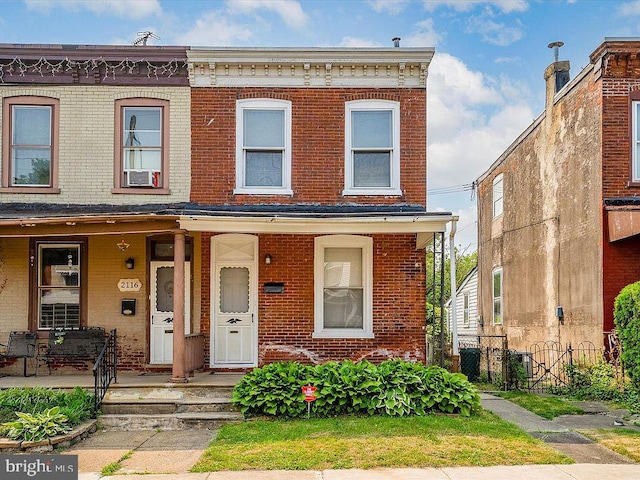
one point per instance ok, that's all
(179, 373)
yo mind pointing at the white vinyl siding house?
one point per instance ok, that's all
(466, 305)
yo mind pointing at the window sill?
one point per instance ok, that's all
(38, 190)
(391, 192)
(262, 191)
(633, 184)
(141, 191)
(342, 334)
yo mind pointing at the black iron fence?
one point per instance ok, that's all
(483, 358)
(539, 368)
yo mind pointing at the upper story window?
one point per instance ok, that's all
(343, 276)
(497, 296)
(635, 167)
(498, 193)
(142, 148)
(30, 144)
(372, 148)
(263, 147)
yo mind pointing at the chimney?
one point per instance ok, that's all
(396, 41)
(556, 74)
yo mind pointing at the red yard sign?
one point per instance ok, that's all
(309, 393)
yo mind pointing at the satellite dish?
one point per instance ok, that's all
(143, 37)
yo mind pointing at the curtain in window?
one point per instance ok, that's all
(343, 288)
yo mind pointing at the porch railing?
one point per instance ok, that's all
(194, 352)
(105, 369)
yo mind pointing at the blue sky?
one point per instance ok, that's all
(485, 83)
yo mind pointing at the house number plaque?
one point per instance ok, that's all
(129, 284)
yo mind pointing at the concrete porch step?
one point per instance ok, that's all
(165, 406)
(172, 421)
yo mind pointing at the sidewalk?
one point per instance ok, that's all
(174, 452)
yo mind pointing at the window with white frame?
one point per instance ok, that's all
(263, 147)
(372, 148)
(497, 296)
(498, 192)
(635, 168)
(343, 277)
(465, 308)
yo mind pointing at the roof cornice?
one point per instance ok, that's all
(309, 67)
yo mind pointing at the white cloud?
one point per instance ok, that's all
(505, 6)
(392, 7)
(424, 35)
(117, 8)
(353, 42)
(495, 33)
(472, 119)
(629, 8)
(289, 10)
(214, 28)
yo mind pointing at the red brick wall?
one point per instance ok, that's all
(317, 144)
(621, 259)
(286, 321)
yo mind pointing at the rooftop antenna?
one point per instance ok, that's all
(556, 48)
(143, 37)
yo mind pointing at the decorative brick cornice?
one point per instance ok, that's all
(319, 67)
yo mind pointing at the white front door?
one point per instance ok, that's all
(234, 305)
(162, 310)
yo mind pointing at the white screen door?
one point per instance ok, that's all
(162, 310)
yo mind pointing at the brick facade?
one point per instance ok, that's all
(317, 145)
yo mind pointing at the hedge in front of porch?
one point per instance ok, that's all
(394, 388)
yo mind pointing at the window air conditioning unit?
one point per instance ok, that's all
(142, 178)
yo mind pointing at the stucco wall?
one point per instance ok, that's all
(86, 143)
(548, 241)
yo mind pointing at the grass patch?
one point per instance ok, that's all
(623, 441)
(371, 442)
(546, 406)
(113, 467)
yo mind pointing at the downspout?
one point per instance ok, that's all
(452, 268)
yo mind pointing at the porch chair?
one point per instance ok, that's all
(20, 345)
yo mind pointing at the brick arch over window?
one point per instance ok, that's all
(373, 96)
(262, 94)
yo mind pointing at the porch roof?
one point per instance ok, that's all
(15, 218)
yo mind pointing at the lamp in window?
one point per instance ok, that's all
(130, 263)
(267, 259)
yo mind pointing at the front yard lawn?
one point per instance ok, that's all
(368, 442)
(624, 441)
(547, 407)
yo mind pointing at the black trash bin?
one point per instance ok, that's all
(470, 363)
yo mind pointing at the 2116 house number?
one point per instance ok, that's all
(129, 285)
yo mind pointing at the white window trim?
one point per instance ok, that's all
(344, 241)
(493, 298)
(498, 179)
(635, 167)
(263, 104)
(362, 105)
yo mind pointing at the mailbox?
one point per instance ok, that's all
(128, 306)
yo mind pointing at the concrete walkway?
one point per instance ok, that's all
(168, 455)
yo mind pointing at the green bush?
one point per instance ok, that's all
(76, 405)
(37, 426)
(626, 315)
(394, 388)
